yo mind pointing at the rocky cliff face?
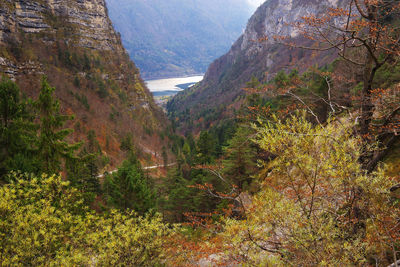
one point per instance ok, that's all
(249, 57)
(75, 45)
(89, 17)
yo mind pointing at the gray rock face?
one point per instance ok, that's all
(90, 17)
(272, 18)
(29, 16)
(249, 57)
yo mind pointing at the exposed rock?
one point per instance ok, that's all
(90, 17)
(3, 61)
(74, 44)
(272, 18)
(243, 201)
(248, 56)
(28, 15)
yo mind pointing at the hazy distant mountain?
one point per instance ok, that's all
(178, 37)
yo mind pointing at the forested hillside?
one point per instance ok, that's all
(298, 142)
(176, 38)
(75, 46)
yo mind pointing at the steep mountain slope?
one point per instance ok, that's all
(75, 45)
(178, 37)
(250, 57)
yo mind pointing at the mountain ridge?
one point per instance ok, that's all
(248, 57)
(75, 45)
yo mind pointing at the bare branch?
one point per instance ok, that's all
(360, 9)
(307, 107)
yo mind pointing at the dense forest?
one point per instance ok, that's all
(305, 172)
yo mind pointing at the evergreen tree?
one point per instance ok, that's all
(17, 131)
(52, 147)
(128, 188)
(281, 79)
(187, 152)
(240, 158)
(127, 143)
(183, 197)
(10, 102)
(83, 171)
(205, 148)
(94, 149)
(179, 198)
(192, 144)
(165, 156)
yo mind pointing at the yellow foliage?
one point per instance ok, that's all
(317, 206)
(43, 223)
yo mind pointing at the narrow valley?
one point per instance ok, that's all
(199, 133)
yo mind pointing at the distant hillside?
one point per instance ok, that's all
(216, 97)
(178, 37)
(75, 45)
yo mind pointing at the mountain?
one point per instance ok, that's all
(175, 38)
(74, 44)
(216, 97)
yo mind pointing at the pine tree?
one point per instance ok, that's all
(83, 171)
(240, 161)
(94, 150)
(187, 152)
(52, 147)
(17, 131)
(128, 188)
(205, 148)
(179, 197)
(164, 156)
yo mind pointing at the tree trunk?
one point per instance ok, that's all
(379, 155)
(366, 101)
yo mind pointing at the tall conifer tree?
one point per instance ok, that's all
(52, 147)
(17, 131)
(128, 188)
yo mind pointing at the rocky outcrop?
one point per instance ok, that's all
(25, 68)
(249, 57)
(89, 17)
(274, 17)
(86, 20)
(74, 44)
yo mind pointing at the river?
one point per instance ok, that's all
(171, 86)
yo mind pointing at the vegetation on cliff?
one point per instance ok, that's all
(76, 47)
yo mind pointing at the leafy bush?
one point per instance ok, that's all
(44, 223)
(317, 206)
